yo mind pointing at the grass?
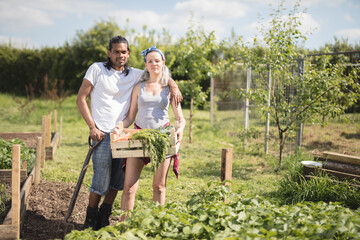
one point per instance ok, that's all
(200, 162)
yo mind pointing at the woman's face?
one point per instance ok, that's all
(154, 63)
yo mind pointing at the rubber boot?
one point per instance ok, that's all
(104, 215)
(91, 219)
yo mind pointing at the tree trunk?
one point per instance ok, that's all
(191, 118)
(281, 148)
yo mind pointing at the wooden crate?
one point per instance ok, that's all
(133, 148)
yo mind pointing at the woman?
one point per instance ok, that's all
(150, 100)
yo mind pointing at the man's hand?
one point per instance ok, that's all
(96, 134)
(175, 95)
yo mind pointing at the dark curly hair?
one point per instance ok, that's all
(117, 39)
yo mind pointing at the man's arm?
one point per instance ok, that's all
(175, 93)
(84, 91)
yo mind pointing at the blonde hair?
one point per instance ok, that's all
(166, 74)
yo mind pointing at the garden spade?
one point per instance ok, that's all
(78, 185)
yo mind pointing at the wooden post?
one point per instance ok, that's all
(226, 165)
(55, 121)
(60, 129)
(43, 136)
(24, 165)
(48, 131)
(15, 188)
(38, 160)
(212, 89)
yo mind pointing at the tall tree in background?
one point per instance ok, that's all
(191, 59)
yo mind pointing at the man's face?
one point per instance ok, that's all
(118, 55)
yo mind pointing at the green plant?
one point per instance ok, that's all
(4, 197)
(207, 216)
(26, 154)
(294, 188)
(155, 143)
(325, 89)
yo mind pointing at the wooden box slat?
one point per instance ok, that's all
(133, 148)
(5, 175)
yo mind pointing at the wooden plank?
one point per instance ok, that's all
(8, 232)
(43, 136)
(340, 175)
(128, 153)
(6, 175)
(342, 157)
(15, 188)
(226, 165)
(28, 137)
(25, 190)
(38, 161)
(125, 152)
(48, 131)
(126, 144)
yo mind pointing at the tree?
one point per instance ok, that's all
(318, 90)
(192, 60)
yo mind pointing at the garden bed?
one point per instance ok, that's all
(45, 144)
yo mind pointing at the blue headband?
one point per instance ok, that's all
(153, 48)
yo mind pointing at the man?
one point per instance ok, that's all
(109, 85)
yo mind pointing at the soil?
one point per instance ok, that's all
(48, 204)
(47, 207)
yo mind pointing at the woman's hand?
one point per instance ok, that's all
(116, 132)
(179, 134)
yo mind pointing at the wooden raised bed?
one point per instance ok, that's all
(133, 148)
(46, 143)
(51, 140)
(10, 228)
(342, 166)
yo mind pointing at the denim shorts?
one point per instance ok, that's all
(108, 171)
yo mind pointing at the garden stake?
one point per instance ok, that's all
(78, 185)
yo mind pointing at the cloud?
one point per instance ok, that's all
(25, 14)
(227, 9)
(348, 18)
(213, 15)
(350, 33)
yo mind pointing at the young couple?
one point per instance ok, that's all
(119, 93)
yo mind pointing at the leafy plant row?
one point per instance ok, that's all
(207, 216)
(26, 154)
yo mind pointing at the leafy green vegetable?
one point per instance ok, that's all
(207, 216)
(156, 142)
(26, 154)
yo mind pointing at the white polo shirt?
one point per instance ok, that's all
(111, 94)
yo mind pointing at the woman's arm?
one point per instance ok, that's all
(179, 118)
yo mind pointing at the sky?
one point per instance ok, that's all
(41, 23)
